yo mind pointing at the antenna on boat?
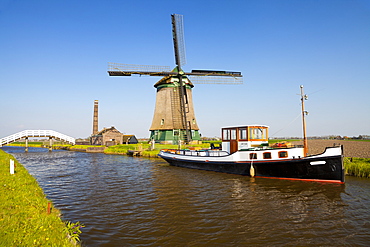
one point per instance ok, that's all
(305, 145)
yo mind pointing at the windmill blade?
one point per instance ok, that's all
(216, 80)
(150, 73)
(178, 39)
(119, 69)
(215, 73)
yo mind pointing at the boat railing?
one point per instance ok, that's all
(211, 152)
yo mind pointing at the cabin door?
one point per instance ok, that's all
(233, 146)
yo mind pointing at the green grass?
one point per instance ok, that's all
(81, 146)
(272, 141)
(146, 152)
(36, 143)
(24, 220)
(359, 167)
(20, 144)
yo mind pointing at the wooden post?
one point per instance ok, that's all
(11, 166)
(49, 208)
(50, 143)
(26, 149)
(152, 144)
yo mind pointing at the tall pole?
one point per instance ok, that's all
(305, 145)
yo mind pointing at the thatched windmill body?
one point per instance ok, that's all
(174, 117)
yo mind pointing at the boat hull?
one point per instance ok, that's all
(316, 168)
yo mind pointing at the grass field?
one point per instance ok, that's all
(24, 216)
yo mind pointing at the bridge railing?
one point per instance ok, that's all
(36, 133)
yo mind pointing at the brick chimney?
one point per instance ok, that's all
(95, 120)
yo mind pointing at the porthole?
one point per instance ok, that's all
(252, 156)
(267, 155)
(283, 154)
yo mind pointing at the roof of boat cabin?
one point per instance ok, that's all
(244, 126)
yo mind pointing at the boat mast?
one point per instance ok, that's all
(305, 145)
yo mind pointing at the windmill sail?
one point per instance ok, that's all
(119, 69)
(216, 80)
(180, 59)
(178, 39)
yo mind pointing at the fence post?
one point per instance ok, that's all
(49, 208)
(26, 149)
(11, 166)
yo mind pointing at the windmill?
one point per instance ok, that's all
(174, 117)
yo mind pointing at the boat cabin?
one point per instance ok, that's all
(244, 137)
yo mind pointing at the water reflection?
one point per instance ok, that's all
(127, 201)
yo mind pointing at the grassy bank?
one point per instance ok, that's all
(359, 167)
(24, 217)
(145, 148)
(34, 145)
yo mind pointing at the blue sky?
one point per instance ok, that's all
(54, 56)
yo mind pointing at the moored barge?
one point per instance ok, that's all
(245, 151)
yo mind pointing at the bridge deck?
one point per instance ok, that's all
(36, 133)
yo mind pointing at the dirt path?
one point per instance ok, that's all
(359, 149)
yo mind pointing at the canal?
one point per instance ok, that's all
(125, 201)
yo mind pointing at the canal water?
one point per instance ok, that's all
(125, 201)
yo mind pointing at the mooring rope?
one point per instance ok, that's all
(287, 125)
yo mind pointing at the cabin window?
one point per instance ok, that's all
(226, 134)
(257, 133)
(267, 155)
(283, 154)
(233, 134)
(243, 134)
(253, 156)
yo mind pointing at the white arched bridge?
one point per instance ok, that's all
(36, 133)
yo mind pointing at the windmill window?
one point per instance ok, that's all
(162, 121)
(193, 121)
